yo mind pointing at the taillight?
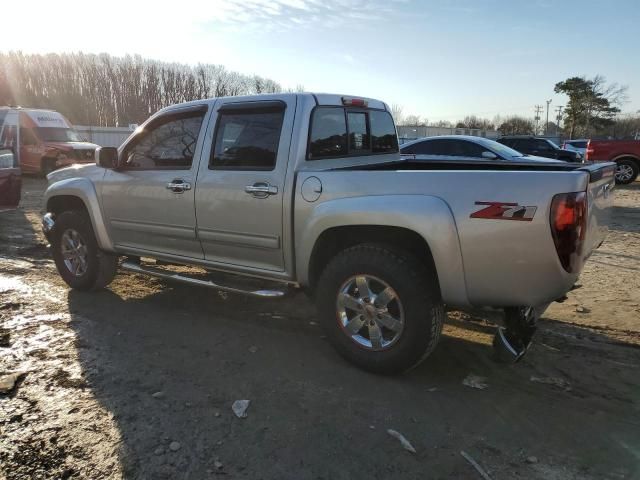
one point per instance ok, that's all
(588, 152)
(569, 227)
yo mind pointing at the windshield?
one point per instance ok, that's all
(499, 148)
(47, 134)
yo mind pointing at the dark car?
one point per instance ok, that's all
(464, 147)
(541, 147)
(10, 180)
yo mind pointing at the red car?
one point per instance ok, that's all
(43, 140)
(10, 181)
(626, 154)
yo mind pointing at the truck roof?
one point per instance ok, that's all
(328, 99)
(26, 109)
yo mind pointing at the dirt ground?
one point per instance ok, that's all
(137, 381)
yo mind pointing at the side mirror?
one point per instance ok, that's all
(107, 157)
(489, 155)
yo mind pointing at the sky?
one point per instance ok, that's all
(441, 60)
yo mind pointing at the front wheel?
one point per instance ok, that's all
(626, 171)
(380, 308)
(81, 264)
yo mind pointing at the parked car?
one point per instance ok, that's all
(43, 139)
(10, 180)
(625, 153)
(541, 147)
(579, 145)
(463, 147)
(309, 191)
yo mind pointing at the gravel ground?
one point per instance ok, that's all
(138, 381)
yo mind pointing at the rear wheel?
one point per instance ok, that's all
(626, 171)
(380, 308)
(81, 264)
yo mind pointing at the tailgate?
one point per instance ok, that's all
(600, 198)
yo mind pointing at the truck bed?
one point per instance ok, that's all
(455, 165)
(480, 262)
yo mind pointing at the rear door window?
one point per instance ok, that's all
(247, 140)
(464, 148)
(522, 145)
(429, 147)
(543, 146)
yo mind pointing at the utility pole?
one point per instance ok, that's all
(546, 126)
(538, 109)
(558, 117)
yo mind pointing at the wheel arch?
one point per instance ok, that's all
(629, 156)
(74, 194)
(336, 239)
(422, 225)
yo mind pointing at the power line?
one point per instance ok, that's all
(538, 110)
(546, 125)
(558, 117)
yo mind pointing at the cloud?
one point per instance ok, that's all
(288, 14)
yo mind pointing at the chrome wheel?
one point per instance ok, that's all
(624, 173)
(370, 312)
(74, 252)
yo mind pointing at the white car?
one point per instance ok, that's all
(465, 148)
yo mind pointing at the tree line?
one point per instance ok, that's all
(105, 90)
(592, 110)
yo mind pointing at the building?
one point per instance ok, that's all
(105, 136)
(407, 132)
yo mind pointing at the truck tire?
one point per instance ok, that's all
(380, 308)
(626, 171)
(81, 264)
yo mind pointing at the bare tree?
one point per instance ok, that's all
(516, 125)
(396, 113)
(414, 121)
(113, 91)
(471, 121)
(443, 124)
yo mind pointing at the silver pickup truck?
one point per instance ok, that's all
(309, 191)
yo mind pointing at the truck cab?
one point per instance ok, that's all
(43, 140)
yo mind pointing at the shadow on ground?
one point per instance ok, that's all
(315, 416)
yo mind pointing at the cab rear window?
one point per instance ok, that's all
(345, 132)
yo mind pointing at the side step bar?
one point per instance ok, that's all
(154, 272)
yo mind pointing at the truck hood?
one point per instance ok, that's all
(75, 171)
(72, 145)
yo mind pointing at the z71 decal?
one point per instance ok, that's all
(505, 211)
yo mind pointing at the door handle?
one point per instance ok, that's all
(261, 190)
(178, 186)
